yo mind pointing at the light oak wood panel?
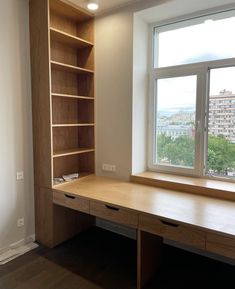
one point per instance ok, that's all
(41, 106)
(69, 68)
(66, 165)
(85, 84)
(72, 138)
(200, 186)
(81, 163)
(64, 82)
(72, 96)
(57, 223)
(208, 214)
(72, 110)
(44, 216)
(70, 152)
(85, 30)
(68, 39)
(114, 213)
(72, 202)
(221, 245)
(61, 53)
(149, 256)
(74, 125)
(70, 55)
(68, 223)
(173, 231)
(86, 58)
(79, 27)
(54, 224)
(87, 163)
(69, 10)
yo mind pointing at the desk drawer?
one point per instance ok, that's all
(70, 201)
(221, 245)
(114, 213)
(173, 231)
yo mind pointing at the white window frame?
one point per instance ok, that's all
(202, 70)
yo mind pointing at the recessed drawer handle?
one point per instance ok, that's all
(169, 224)
(111, 208)
(70, 197)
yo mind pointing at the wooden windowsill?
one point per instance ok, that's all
(207, 187)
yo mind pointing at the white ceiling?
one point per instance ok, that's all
(106, 4)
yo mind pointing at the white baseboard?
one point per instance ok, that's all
(17, 249)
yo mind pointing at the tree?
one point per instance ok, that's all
(177, 151)
(221, 154)
(180, 151)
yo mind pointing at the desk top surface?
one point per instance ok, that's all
(204, 212)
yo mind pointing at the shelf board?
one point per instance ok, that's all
(70, 68)
(73, 124)
(72, 96)
(70, 152)
(69, 39)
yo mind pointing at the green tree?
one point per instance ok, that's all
(180, 151)
(221, 154)
(177, 151)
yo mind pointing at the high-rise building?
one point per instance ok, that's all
(222, 115)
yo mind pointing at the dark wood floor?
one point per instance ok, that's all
(98, 259)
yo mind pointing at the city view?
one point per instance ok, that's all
(176, 135)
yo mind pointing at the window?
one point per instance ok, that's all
(192, 119)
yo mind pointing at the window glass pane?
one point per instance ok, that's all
(221, 123)
(175, 121)
(209, 40)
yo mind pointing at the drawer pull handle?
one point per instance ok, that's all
(169, 224)
(70, 197)
(111, 208)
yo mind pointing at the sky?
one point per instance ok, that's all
(210, 40)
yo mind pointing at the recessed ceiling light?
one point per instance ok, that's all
(92, 4)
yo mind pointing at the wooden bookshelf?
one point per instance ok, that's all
(62, 59)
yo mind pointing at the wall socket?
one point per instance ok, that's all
(20, 222)
(19, 176)
(109, 168)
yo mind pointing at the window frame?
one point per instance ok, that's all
(202, 70)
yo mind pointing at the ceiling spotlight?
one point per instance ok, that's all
(92, 4)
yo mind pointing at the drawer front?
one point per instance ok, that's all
(220, 245)
(72, 202)
(114, 213)
(173, 231)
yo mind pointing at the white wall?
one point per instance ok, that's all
(140, 94)
(114, 66)
(16, 198)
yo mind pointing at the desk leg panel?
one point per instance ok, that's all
(149, 256)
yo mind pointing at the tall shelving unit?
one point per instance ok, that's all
(62, 65)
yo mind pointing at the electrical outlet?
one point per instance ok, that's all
(109, 168)
(19, 176)
(20, 222)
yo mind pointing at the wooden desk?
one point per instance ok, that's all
(155, 213)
